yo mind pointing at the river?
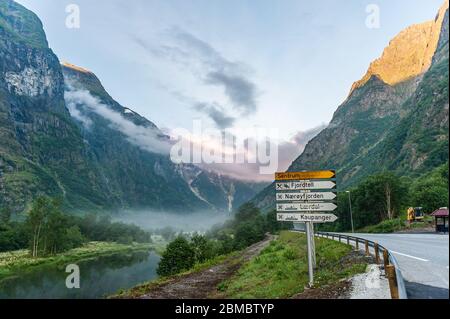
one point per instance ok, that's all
(99, 277)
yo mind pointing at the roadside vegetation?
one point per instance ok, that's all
(248, 227)
(398, 224)
(281, 270)
(380, 202)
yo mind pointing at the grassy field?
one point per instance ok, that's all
(15, 262)
(281, 270)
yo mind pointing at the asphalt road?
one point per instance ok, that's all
(423, 261)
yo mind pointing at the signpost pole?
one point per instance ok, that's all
(306, 197)
(310, 253)
(313, 242)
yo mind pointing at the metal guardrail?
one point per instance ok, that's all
(392, 269)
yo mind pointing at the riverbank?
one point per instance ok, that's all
(14, 263)
(198, 283)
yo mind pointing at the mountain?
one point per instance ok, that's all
(395, 118)
(38, 139)
(62, 134)
(132, 154)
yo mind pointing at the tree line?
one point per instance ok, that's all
(47, 230)
(386, 196)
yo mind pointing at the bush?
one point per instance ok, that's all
(178, 257)
(202, 247)
(248, 233)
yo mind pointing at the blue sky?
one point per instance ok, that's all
(270, 63)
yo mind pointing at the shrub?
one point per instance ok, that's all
(178, 257)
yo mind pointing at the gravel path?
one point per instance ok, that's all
(203, 284)
(370, 285)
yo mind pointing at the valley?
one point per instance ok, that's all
(87, 181)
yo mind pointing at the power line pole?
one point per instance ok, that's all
(351, 213)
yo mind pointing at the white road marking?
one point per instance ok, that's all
(421, 259)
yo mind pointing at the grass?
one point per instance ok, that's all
(281, 270)
(16, 262)
(397, 224)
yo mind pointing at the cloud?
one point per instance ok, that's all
(291, 150)
(217, 114)
(147, 138)
(288, 152)
(239, 90)
(209, 66)
(76, 113)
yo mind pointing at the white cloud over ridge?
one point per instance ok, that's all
(147, 138)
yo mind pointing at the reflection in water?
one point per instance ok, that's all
(99, 277)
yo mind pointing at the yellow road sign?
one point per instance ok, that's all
(291, 176)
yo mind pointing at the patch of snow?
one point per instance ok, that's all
(128, 111)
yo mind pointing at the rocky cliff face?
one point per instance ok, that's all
(62, 134)
(38, 140)
(409, 54)
(396, 117)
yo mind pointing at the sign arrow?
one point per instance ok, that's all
(306, 207)
(303, 218)
(306, 196)
(305, 185)
(290, 176)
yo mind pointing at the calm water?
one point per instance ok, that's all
(98, 278)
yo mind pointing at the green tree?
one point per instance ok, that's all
(431, 190)
(202, 247)
(74, 237)
(5, 215)
(249, 233)
(246, 212)
(37, 219)
(178, 256)
(379, 197)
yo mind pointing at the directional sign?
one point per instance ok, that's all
(293, 176)
(305, 185)
(306, 196)
(302, 218)
(306, 207)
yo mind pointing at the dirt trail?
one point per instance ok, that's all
(203, 284)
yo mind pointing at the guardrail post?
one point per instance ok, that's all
(377, 253)
(392, 277)
(348, 240)
(385, 258)
(357, 244)
(367, 248)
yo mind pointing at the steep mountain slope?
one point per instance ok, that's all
(401, 126)
(133, 154)
(62, 134)
(38, 140)
(409, 54)
(419, 142)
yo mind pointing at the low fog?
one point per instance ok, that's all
(192, 222)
